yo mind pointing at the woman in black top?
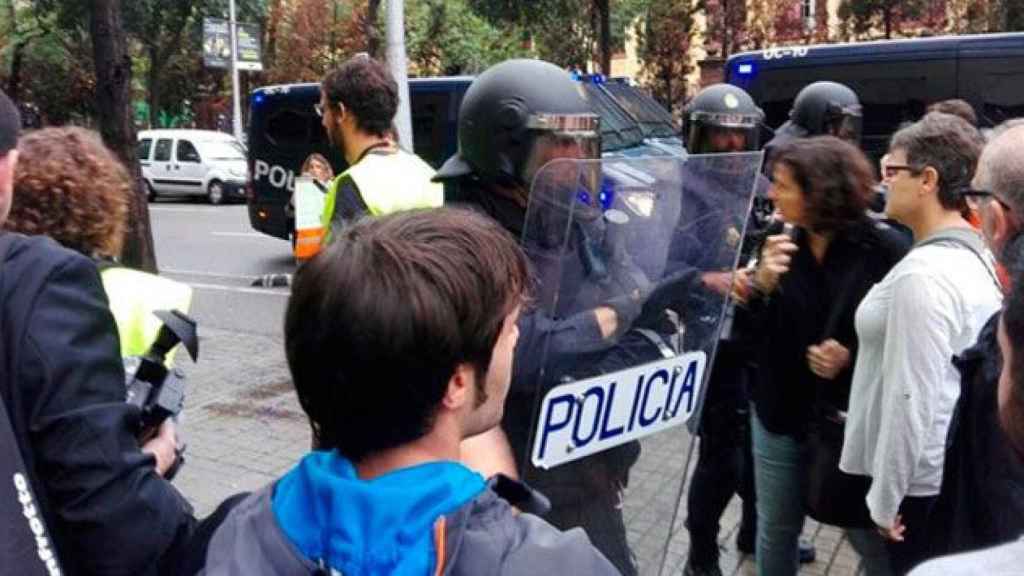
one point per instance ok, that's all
(805, 291)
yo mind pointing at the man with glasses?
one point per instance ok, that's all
(358, 101)
(981, 502)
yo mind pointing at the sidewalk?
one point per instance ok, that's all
(245, 428)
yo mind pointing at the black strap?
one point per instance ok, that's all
(27, 547)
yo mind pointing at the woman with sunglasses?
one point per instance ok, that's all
(910, 325)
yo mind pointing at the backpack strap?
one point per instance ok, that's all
(968, 239)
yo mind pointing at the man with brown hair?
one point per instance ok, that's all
(400, 339)
(956, 107)
(358, 102)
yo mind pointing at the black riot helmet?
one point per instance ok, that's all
(722, 118)
(828, 108)
(515, 117)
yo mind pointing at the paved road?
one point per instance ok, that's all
(245, 428)
(214, 249)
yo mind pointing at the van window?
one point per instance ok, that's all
(1002, 97)
(163, 150)
(187, 152)
(289, 128)
(429, 122)
(143, 148)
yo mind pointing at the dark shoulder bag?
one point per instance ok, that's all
(25, 543)
(833, 496)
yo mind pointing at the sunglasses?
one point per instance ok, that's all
(977, 198)
(891, 170)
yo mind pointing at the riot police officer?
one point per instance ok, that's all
(721, 119)
(820, 108)
(517, 117)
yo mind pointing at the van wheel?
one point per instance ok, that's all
(215, 192)
(150, 193)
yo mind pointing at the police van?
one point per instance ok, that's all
(895, 80)
(285, 132)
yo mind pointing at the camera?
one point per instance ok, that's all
(159, 391)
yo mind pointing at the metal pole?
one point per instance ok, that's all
(397, 60)
(235, 97)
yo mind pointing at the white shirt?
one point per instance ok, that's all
(930, 307)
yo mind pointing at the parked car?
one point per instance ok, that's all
(192, 163)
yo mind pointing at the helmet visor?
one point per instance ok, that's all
(573, 137)
(847, 124)
(711, 139)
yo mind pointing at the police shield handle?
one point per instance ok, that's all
(309, 208)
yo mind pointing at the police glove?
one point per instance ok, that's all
(670, 294)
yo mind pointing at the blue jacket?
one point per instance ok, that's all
(438, 518)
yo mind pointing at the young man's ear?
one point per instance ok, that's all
(461, 387)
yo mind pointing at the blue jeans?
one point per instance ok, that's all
(780, 485)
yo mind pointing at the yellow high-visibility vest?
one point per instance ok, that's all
(388, 182)
(134, 296)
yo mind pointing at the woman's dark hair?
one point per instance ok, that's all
(947, 143)
(836, 179)
(1011, 415)
(378, 323)
(366, 88)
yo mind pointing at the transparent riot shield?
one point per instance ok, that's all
(633, 260)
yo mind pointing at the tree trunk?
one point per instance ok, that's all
(887, 17)
(153, 87)
(605, 37)
(113, 105)
(372, 31)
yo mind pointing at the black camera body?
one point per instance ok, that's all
(158, 391)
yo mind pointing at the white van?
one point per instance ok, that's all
(192, 162)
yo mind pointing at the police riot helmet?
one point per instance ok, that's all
(515, 117)
(828, 108)
(722, 118)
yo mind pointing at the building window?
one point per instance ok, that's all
(807, 12)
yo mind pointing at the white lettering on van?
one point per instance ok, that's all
(777, 53)
(277, 176)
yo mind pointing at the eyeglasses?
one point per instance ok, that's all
(976, 198)
(891, 170)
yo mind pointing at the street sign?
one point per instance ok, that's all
(586, 417)
(249, 50)
(217, 45)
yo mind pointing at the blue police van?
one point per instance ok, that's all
(284, 131)
(895, 80)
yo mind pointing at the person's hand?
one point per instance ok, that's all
(718, 282)
(895, 532)
(741, 286)
(776, 256)
(828, 359)
(164, 445)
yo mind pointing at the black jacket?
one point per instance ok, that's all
(982, 499)
(814, 302)
(62, 381)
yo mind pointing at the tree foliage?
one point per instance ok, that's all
(445, 37)
(664, 38)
